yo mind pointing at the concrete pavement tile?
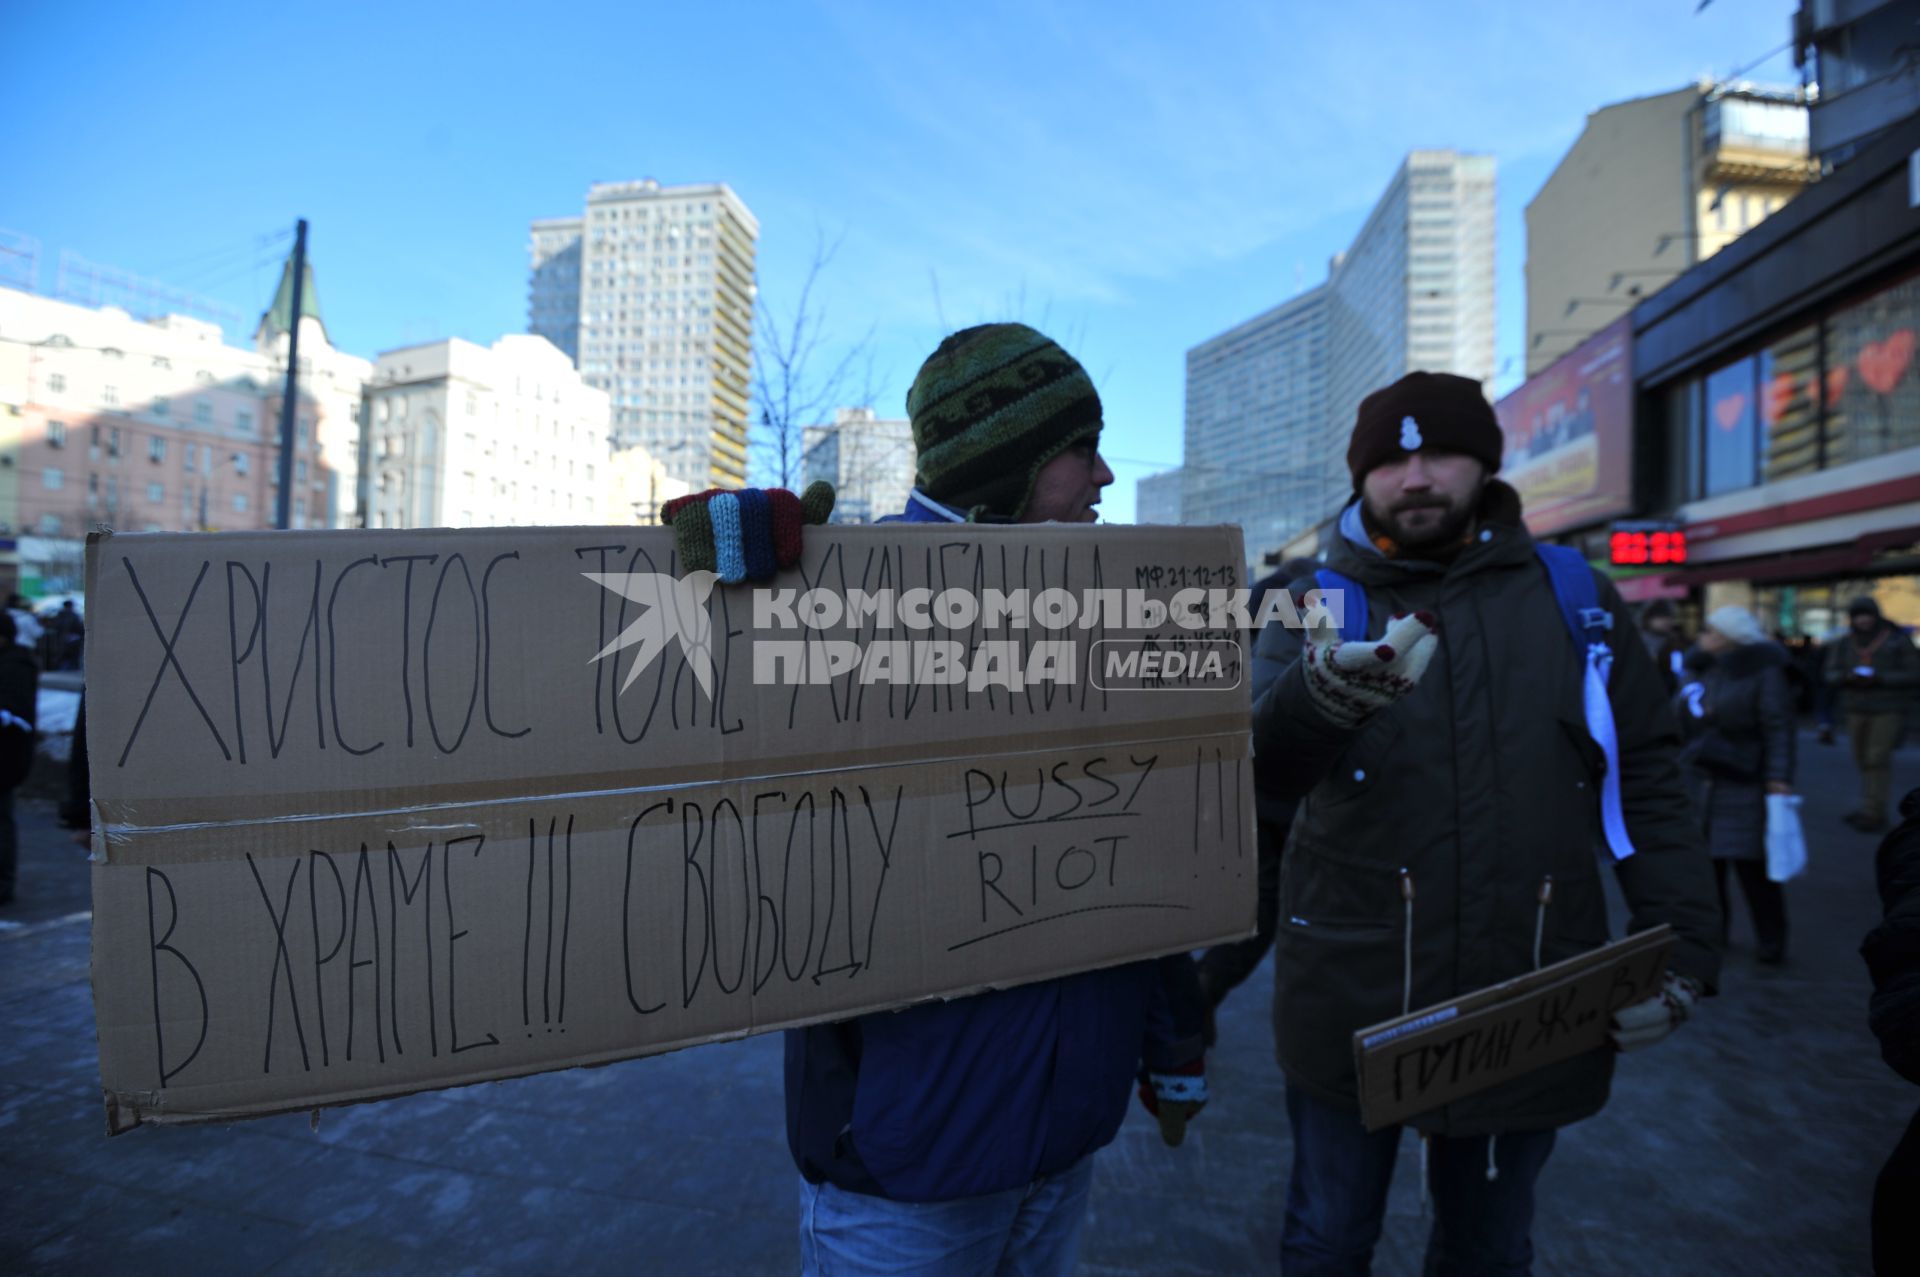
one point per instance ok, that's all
(42, 1203)
(136, 1234)
(746, 1175)
(1180, 1234)
(572, 1233)
(324, 1254)
(1705, 1248)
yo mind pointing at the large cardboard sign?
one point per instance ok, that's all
(371, 817)
(1436, 1055)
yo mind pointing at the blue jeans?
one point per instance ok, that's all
(1337, 1197)
(1022, 1232)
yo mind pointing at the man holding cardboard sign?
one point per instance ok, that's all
(957, 1137)
(1453, 808)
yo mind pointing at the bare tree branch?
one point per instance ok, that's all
(790, 391)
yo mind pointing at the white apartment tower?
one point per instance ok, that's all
(660, 279)
(867, 459)
(1271, 402)
(1413, 292)
(467, 436)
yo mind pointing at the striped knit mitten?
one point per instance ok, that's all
(1350, 681)
(744, 534)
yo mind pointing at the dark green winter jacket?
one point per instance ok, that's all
(1479, 783)
(1896, 671)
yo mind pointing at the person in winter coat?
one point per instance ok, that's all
(1892, 951)
(958, 1137)
(19, 693)
(1448, 771)
(1657, 622)
(1875, 668)
(1740, 709)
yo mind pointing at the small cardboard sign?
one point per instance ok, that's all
(388, 810)
(1433, 1056)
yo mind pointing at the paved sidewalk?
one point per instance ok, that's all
(1747, 1144)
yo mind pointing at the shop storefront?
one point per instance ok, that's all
(1778, 392)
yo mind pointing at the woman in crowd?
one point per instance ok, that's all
(1738, 709)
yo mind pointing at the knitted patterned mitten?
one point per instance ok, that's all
(1175, 1098)
(1350, 681)
(746, 534)
(1645, 1023)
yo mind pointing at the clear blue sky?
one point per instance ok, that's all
(1131, 177)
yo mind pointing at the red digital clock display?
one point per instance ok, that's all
(1648, 549)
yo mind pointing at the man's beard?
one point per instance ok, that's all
(1449, 529)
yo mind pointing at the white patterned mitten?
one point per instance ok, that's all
(1645, 1023)
(1349, 681)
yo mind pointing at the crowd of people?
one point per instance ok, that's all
(1443, 779)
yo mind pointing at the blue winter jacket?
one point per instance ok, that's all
(986, 1093)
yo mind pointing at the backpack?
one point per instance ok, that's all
(1589, 623)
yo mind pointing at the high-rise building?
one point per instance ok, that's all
(868, 460)
(1156, 498)
(1255, 424)
(553, 295)
(467, 436)
(1414, 291)
(1650, 187)
(151, 425)
(664, 293)
(1270, 402)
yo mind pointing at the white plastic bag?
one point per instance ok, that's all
(1786, 845)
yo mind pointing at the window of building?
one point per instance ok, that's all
(243, 421)
(53, 477)
(1872, 377)
(1731, 438)
(156, 493)
(202, 411)
(156, 449)
(113, 441)
(110, 395)
(239, 503)
(56, 434)
(242, 463)
(57, 382)
(299, 472)
(1790, 405)
(161, 407)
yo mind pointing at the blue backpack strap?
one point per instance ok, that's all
(1591, 626)
(1353, 616)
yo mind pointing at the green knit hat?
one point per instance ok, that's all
(990, 407)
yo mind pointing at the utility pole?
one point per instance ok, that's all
(289, 400)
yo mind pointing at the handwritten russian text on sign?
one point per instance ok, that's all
(370, 818)
(1419, 1062)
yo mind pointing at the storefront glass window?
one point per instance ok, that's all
(1732, 439)
(1790, 404)
(1872, 381)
